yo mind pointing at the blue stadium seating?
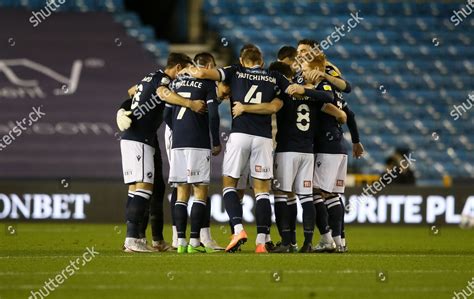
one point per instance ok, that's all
(407, 63)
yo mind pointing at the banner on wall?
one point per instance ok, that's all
(105, 201)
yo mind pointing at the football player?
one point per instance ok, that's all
(205, 60)
(307, 49)
(139, 142)
(294, 159)
(250, 140)
(330, 164)
(190, 154)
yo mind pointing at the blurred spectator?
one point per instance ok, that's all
(401, 174)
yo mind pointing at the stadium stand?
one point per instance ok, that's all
(103, 53)
(406, 74)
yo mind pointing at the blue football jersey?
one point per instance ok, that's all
(191, 129)
(328, 137)
(295, 130)
(147, 109)
(253, 86)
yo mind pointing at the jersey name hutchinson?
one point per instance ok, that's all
(253, 77)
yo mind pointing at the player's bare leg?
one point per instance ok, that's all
(263, 212)
(234, 210)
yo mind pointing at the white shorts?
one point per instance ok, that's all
(190, 165)
(168, 142)
(294, 172)
(242, 149)
(137, 162)
(168, 145)
(245, 180)
(330, 172)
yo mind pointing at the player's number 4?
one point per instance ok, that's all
(253, 96)
(185, 95)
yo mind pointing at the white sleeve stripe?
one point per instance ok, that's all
(169, 105)
(210, 101)
(221, 72)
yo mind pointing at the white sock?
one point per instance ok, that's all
(194, 242)
(205, 234)
(268, 238)
(182, 242)
(260, 239)
(343, 241)
(175, 233)
(337, 240)
(327, 237)
(238, 228)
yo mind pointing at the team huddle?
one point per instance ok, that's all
(308, 161)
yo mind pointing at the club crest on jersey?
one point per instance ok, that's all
(139, 157)
(149, 175)
(165, 80)
(318, 163)
(340, 183)
(307, 184)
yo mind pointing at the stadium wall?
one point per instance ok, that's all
(104, 202)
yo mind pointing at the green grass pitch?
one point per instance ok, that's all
(383, 262)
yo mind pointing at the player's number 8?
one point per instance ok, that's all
(302, 117)
(186, 95)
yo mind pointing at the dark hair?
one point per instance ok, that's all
(178, 58)
(286, 52)
(204, 58)
(252, 55)
(310, 42)
(282, 68)
(245, 47)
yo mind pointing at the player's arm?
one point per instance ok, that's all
(265, 108)
(213, 114)
(338, 82)
(123, 115)
(202, 73)
(339, 114)
(333, 77)
(132, 90)
(357, 147)
(175, 99)
(312, 94)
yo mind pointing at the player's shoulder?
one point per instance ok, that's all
(332, 70)
(324, 85)
(160, 78)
